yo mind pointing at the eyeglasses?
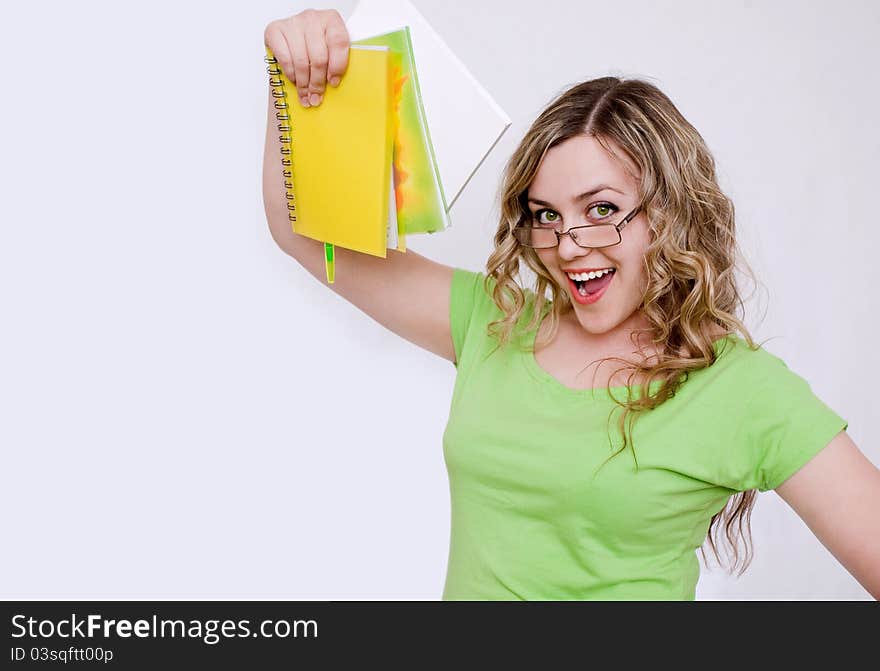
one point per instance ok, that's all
(593, 236)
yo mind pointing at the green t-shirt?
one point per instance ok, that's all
(533, 515)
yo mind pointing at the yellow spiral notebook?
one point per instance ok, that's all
(337, 157)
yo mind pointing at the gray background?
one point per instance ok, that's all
(188, 414)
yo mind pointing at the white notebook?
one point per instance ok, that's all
(464, 121)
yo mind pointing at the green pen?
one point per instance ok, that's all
(329, 262)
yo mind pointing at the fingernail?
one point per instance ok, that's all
(305, 101)
(334, 81)
(315, 99)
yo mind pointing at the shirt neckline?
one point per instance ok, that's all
(558, 387)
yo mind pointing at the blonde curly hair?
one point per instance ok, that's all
(690, 261)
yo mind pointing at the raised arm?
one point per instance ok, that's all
(407, 293)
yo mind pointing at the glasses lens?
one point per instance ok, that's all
(603, 235)
(596, 236)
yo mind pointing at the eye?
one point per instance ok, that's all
(536, 217)
(603, 210)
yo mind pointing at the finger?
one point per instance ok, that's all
(296, 43)
(317, 49)
(338, 40)
(274, 39)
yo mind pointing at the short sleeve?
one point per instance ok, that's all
(786, 425)
(465, 296)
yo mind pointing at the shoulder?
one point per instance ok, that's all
(472, 308)
(740, 361)
(784, 418)
(749, 381)
(767, 370)
(475, 290)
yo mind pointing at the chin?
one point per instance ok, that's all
(598, 329)
(594, 324)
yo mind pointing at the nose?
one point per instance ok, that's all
(569, 250)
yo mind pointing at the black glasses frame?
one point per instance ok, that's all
(618, 227)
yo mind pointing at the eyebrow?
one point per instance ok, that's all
(585, 194)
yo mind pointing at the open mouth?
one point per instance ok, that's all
(589, 291)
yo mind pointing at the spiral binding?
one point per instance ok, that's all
(285, 138)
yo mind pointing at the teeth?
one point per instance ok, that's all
(583, 277)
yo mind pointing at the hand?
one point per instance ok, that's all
(311, 48)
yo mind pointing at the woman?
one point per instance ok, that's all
(612, 200)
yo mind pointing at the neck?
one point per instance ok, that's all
(618, 340)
